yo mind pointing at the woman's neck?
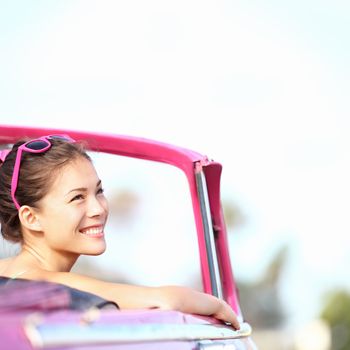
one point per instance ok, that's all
(50, 261)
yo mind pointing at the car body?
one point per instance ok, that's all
(142, 329)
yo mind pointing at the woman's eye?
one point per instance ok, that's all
(77, 197)
(100, 190)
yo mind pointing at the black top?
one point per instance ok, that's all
(22, 294)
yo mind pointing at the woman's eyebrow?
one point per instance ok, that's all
(83, 189)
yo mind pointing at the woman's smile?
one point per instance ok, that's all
(93, 231)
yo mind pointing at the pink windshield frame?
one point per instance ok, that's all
(190, 162)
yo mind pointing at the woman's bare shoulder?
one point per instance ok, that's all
(55, 276)
(4, 263)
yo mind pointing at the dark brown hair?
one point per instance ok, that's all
(37, 174)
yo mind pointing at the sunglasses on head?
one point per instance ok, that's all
(39, 145)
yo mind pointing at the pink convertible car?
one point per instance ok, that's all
(39, 315)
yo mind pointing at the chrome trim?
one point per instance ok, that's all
(217, 345)
(214, 271)
(69, 334)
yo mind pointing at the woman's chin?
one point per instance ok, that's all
(95, 250)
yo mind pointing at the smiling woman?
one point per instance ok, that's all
(78, 201)
(52, 203)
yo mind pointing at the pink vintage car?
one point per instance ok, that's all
(38, 315)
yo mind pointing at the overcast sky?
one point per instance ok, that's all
(262, 87)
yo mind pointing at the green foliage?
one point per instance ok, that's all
(337, 313)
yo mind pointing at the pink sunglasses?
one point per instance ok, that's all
(39, 145)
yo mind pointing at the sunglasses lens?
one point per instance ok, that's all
(37, 145)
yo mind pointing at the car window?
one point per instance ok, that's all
(151, 235)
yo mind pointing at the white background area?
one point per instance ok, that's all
(261, 87)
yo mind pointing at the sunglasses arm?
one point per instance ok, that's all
(14, 181)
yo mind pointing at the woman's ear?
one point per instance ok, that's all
(28, 218)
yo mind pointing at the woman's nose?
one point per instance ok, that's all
(96, 207)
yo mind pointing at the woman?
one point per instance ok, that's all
(52, 203)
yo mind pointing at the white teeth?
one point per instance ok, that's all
(93, 231)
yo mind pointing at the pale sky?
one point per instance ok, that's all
(262, 88)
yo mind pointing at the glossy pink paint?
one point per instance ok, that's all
(186, 160)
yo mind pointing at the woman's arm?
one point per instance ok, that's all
(191, 301)
(140, 297)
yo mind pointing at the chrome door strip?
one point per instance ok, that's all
(45, 335)
(215, 277)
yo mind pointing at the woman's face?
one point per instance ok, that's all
(74, 212)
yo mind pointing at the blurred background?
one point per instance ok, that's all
(261, 87)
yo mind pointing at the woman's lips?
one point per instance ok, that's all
(93, 231)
